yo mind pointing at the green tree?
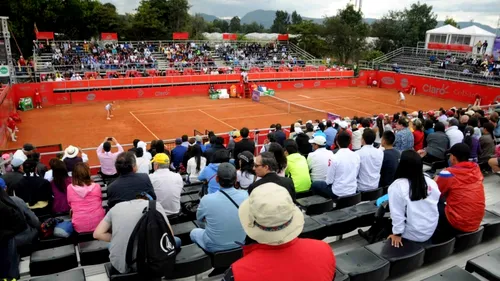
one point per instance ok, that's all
(418, 19)
(252, 27)
(296, 18)
(235, 25)
(451, 22)
(309, 37)
(370, 55)
(389, 31)
(221, 25)
(281, 22)
(345, 34)
(198, 26)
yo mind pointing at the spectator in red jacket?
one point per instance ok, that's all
(12, 128)
(462, 187)
(418, 135)
(270, 217)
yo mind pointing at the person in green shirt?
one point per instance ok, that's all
(297, 167)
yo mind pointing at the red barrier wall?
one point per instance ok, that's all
(6, 108)
(88, 95)
(459, 91)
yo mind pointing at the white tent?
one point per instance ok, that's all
(451, 36)
(477, 34)
(445, 29)
(440, 35)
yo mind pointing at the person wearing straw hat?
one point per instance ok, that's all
(71, 157)
(270, 218)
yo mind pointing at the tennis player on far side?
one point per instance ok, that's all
(402, 99)
(109, 109)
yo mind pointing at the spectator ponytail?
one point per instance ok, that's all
(411, 168)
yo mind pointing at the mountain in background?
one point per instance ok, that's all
(266, 18)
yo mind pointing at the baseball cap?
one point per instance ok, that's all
(226, 173)
(460, 151)
(18, 158)
(430, 113)
(178, 141)
(319, 140)
(450, 113)
(343, 124)
(199, 138)
(296, 125)
(2, 184)
(161, 158)
(453, 122)
(381, 116)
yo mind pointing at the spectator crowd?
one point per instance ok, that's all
(251, 200)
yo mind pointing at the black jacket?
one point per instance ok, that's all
(243, 145)
(280, 137)
(305, 147)
(274, 178)
(211, 151)
(33, 189)
(127, 187)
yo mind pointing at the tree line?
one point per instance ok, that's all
(342, 36)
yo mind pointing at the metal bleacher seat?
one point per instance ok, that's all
(468, 240)
(347, 201)
(53, 260)
(403, 259)
(438, 250)
(114, 275)
(361, 264)
(73, 275)
(453, 274)
(364, 213)
(491, 224)
(336, 222)
(93, 252)
(372, 194)
(190, 261)
(315, 205)
(339, 276)
(486, 265)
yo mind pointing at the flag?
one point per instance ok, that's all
(36, 28)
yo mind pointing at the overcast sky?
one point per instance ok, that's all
(483, 11)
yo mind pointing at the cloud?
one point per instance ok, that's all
(483, 11)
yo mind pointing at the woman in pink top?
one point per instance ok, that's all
(85, 200)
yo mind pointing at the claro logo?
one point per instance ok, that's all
(435, 90)
(161, 94)
(388, 80)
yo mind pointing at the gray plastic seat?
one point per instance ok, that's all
(372, 194)
(491, 223)
(364, 213)
(487, 265)
(191, 261)
(347, 201)
(303, 194)
(93, 252)
(313, 229)
(438, 250)
(53, 242)
(339, 276)
(363, 265)
(403, 259)
(315, 205)
(182, 231)
(191, 189)
(114, 275)
(73, 275)
(53, 260)
(468, 240)
(452, 274)
(224, 259)
(337, 222)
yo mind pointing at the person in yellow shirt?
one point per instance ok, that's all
(297, 167)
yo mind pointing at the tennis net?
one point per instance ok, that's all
(300, 111)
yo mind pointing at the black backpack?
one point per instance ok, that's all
(154, 245)
(13, 221)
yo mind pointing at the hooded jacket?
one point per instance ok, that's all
(208, 175)
(462, 186)
(86, 204)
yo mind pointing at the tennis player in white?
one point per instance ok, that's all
(402, 99)
(109, 109)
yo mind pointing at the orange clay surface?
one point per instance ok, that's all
(85, 125)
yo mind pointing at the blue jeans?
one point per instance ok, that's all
(178, 242)
(197, 235)
(323, 189)
(9, 260)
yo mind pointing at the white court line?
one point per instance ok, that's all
(216, 119)
(348, 108)
(303, 96)
(144, 126)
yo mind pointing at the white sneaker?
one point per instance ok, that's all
(40, 107)
(109, 118)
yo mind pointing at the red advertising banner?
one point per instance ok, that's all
(109, 36)
(445, 89)
(230, 36)
(449, 47)
(45, 35)
(283, 37)
(180, 35)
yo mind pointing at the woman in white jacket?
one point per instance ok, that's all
(195, 164)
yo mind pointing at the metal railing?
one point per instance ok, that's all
(435, 73)
(411, 51)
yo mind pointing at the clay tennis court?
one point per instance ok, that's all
(85, 125)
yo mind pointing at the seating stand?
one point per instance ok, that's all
(364, 212)
(372, 194)
(495, 209)
(438, 250)
(313, 229)
(93, 252)
(487, 265)
(73, 275)
(303, 194)
(182, 230)
(114, 275)
(403, 259)
(361, 265)
(315, 205)
(491, 223)
(339, 276)
(222, 260)
(347, 201)
(453, 274)
(191, 189)
(191, 261)
(468, 240)
(337, 222)
(53, 260)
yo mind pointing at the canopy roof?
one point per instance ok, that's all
(445, 29)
